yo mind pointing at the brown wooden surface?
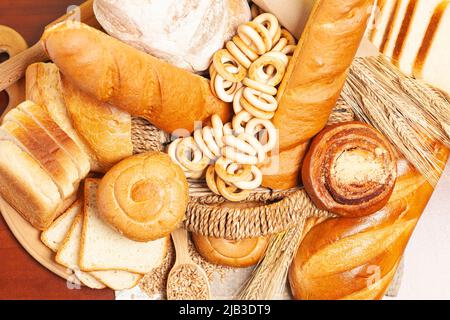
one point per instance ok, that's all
(21, 277)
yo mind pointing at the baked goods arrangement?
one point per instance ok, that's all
(264, 157)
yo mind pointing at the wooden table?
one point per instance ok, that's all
(21, 277)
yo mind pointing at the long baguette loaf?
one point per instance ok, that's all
(356, 258)
(133, 81)
(315, 77)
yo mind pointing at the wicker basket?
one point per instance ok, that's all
(263, 213)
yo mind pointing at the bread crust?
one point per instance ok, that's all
(113, 72)
(237, 254)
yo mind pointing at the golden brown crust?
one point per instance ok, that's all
(236, 254)
(350, 169)
(144, 196)
(356, 258)
(138, 83)
(104, 128)
(319, 67)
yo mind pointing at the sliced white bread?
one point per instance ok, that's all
(68, 247)
(43, 119)
(103, 248)
(393, 27)
(433, 62)
(382, 16)
(68, 254)
(44, 150)
(55, 234)
(412, 32)
(27, 187)
(43, 87)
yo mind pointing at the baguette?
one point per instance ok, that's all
(356, 258)
(144, 86)
(315, 76)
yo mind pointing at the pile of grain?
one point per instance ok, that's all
(187, 282)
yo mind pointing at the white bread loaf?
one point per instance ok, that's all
(55, 234)
(433, 62)
(26, 186)
(38, 144)
(68, 254)
(394, 26)
(185, 33)
(411, 36)
(385, 10)
(43, 87)
(103, 248)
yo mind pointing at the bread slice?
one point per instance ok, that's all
(27, 187)
(44, 150)
(43, 87)
(68, 252)
(393, 27)
(383, 14)
(43, 119)
(103, 248)
(432, 63)
(55, 234)
(68, 255)
(412, 33)
(104, 128)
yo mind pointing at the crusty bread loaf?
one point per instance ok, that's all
(183, 33)
(68, 254)
(43, 87)
(237, 254)
(105, 129)
(103, 248)
(44, 150)
(113, 72)
(356, 258)
(55, 234)
(314, 80)
(26, 186)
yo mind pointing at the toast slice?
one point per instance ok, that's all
(412, 33)
(68, 252)
(103, 248)
(54, 236)
(385, 10)
(393, 27)
(43, 87)
(432, 63)
(27, 187)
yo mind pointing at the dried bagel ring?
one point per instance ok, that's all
(210, 178)
(265, 61)
(232, 154)
(229, 191)
(201, 144)
(256, 36)
(221, 166)
(245, 48)
(270, 22)
(238, 54)
(254, 183)
(255, 112)
(240, 145)
(237, 107)
(281, 44)
(186, 147)
(221, 61)
(254, 126)
(241, 118)
(217, 128)
(262, 101)
(289, 50)
(224, 91)
(260, 152)
(227, 128)
(288, 36)
(265, 88)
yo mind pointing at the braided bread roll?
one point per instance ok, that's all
(356, 258)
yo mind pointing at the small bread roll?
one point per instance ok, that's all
(237, 254)
(144, 197)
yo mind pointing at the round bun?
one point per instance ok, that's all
(144, 197)
(237, 254)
